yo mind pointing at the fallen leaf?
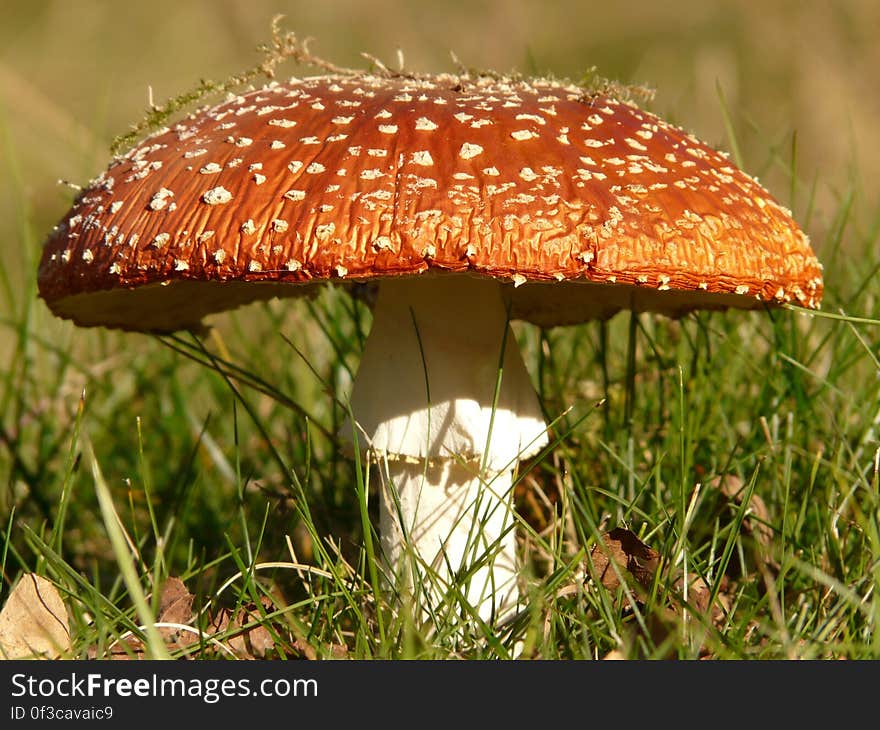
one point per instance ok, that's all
(698, 594)
(629, 554)
(34, 623)
(244, 630)
(634, 558)
(757, 518)
(730, 485)
(175, 607)
(175, 603)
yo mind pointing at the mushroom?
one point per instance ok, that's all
(472, 201)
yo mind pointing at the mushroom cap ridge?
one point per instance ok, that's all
(596, 204)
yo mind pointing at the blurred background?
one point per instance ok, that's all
(799, 78)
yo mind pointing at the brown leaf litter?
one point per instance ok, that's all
(34, 622)
(624, 551)
(756, 523)
(623, 557)
(245, 632)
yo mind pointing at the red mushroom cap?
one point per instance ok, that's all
(361, 177)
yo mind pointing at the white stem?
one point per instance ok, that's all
(428, 408)
(448, 533)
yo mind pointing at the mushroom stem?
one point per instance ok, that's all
(445, 405)
(447, 533)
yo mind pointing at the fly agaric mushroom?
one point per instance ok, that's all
(472, 201)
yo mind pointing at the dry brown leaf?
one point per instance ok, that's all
(757, 518)
(34, 622)
(175, 607)
(247, 637)
(759, 527)
(730, 485)
(698, 594)
(629, 553)
(175, 603)
(634, 558)
(242, 631)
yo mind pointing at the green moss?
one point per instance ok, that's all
(285, 46)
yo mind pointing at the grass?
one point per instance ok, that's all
(129, 460)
